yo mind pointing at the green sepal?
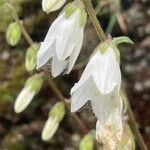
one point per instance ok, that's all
(102, 47)
(122, 40)
(70, 9)
(83, 17)
(58, 111)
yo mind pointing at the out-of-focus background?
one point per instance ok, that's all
(23, 131)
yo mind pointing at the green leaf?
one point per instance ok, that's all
(122, 39)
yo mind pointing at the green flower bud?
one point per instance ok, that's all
(52, 5)
(87, 143)
(31, 57)
(58, 111)
(56, 115)
(34, 83)
(50, 128)
(31, 88)
(13, 34)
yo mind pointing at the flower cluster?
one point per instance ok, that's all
(100, 82)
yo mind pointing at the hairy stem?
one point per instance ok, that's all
(132, 121)
(94, 20)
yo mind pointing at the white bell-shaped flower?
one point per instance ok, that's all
(52, 5)
(63, 41)
(100, 83)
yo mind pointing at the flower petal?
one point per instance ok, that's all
(44, 55)
(106, 72)
(58, 66)
(78, 44)
(81, 94)
(67, 30)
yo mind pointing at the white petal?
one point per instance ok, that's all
(50, 128)
(47, 48)
(81, 94)
(23, 99)
(58, 66)
(106, 72)
(44, 55)
(67, 30)
(87, 72)
(106, 106)
(78, 44)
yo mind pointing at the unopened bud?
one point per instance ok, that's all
(13, 34)
(56, 114)
(31, 57)
(87, 143)
(52, 5)
(58, 111)
(31, 88)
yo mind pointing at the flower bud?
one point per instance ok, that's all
(13, 34)
(87, 143)
(31, 88)
(52, 5)
(31, 57)
(58, 111)
(56, 115)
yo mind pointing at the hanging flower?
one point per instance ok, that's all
(63, 41)
(52, 5)
(100, 83)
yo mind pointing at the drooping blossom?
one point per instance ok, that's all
(63, 42)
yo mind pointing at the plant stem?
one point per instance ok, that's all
(61, 97)
(102, 37)
(24, 32)
(132, 121)
(94, 20)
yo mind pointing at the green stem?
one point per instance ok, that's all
(24, 32)
(95, 22)
(132, 121)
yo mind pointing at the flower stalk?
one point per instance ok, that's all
(94, 20)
